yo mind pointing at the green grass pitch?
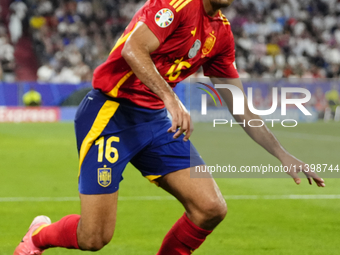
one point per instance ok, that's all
(40, 160)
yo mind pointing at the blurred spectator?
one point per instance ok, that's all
(7, 62)
(32, 98)
(83, 71)
(66, 75)
(332, 98)
(319, 102)
(18, 9)
(258, 100)
(243, 74)
(1, 72)
(45, 73)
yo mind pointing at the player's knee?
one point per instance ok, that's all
(214, 212)
(95, 241)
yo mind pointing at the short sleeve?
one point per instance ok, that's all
(223, 64)
(161, 18)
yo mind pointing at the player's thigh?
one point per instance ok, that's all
(201, 197)
(98, 219)
(165, 154)
(108, 134)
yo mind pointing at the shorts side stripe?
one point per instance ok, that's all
(152, 178)
(103, 117)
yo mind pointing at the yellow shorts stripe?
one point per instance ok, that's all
(103, 117)
(152, 178)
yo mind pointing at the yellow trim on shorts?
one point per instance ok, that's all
(103, 117)
(114, 91)
(38, 229)
(152, 178)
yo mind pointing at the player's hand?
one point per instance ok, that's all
(180, 118)
(290, 161)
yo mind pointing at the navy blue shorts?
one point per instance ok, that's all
(112, 132)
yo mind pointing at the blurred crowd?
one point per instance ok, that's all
(14, 17)
(274, 38)
(74, 37)
(287, 38)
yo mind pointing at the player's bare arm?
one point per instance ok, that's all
(263, 136)
(136, 53)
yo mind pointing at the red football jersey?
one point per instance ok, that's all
(188, 37)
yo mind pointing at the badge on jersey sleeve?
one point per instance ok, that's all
(164, 18)
(104, 176)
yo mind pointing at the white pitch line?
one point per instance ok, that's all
(159, 198)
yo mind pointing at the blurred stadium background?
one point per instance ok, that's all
(48, 51)
(63, 41)
(52, 47)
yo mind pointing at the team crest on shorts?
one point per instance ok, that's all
(104, 176)
(164, 18)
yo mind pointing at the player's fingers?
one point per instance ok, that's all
(309, 175)
(174, 125)
(188, 129)
(297, 180)
(187, 134)
(320, 182)
(310, 180)
(178, 133)
(295, 176)
(184, 127)
(313, 176)
(191, 126)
